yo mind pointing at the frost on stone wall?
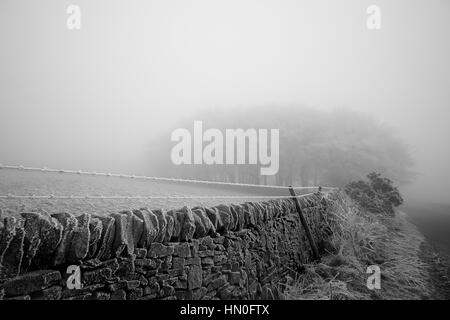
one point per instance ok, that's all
(227, 251)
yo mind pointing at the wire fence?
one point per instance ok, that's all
(67, 197)
(150, 178)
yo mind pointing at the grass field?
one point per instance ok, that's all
(37, 183)
(410, 267)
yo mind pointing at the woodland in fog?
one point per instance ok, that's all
(316, 147)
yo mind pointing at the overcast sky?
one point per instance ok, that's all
(92, 98)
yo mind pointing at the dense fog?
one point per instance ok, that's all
(347, 100)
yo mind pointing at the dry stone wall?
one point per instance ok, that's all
(223, 252)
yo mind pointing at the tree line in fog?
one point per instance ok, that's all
(316, 147)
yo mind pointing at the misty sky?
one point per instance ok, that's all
(93, 98)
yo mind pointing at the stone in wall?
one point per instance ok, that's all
(51, 293)
(162, 222)
(95, 232)
(248, 215)
(107, 237)
(263, 212)
(200, 212)
(80, 239)
(257, 212)
(267, 211)
(225, 216)
(176, 230)
(234, 218)
(200, 229)
(69, 224)
(50, 235)
(159, 250)
(32, 239)
(194, 278)
(278, 208)
(187, 224)
(7, 232)
(11, 257)
(238, 211)
(214, 217)
(31, 282)
(128, 233)
(182, 250)
(169, 227)
(120, 238)
(135, 230)
(150, 227)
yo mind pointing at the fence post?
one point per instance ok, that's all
(305, 224)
